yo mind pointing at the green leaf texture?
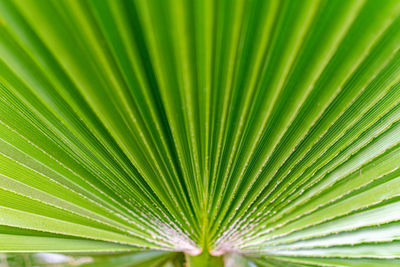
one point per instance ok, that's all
(265, 128)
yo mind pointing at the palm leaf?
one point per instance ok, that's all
(264, 131)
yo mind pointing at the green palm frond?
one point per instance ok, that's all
(239, 132)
